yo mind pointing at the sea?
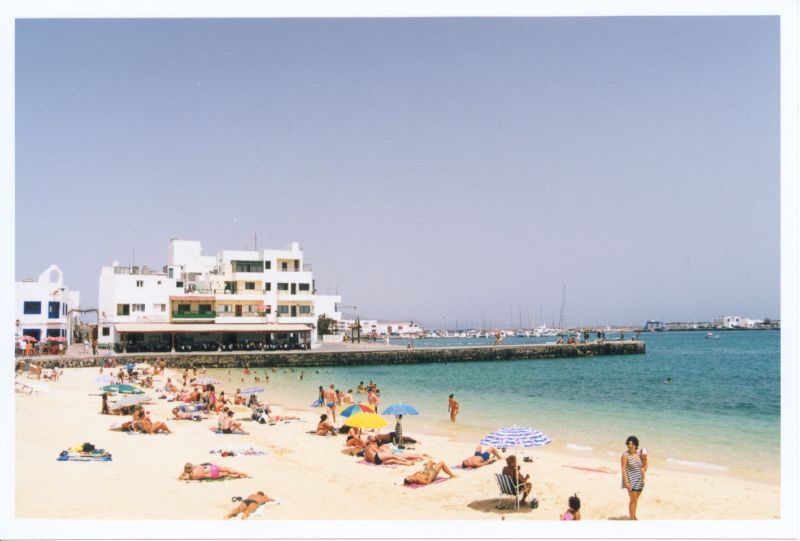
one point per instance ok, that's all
(710, 405)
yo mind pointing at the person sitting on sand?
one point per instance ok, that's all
(221, 416)
(253, 401)
(249, 505)
(428, 474)
(324, 427)
(481, 458)
(229, 426)
(373, 454)
(238, 399)
(170, 387)
(208, 471)
(150, 427)
(512, 470)
(573, 512)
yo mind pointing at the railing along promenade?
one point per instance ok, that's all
(350, 355)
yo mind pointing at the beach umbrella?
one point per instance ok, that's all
(106, 378)
(131, 400)
(205, 380)
(352, 409)
(29, 338)
(366, 420)
(400, 409)
(516, 436)
(251, 390)
(108, 353)
(122, 388)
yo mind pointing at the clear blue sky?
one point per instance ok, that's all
(436, 169)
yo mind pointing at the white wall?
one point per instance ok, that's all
(48, 287)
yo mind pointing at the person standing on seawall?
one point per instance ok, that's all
(634, 469)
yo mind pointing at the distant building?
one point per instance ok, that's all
(652, 326)
(43, 306)
(235, 299)
(383, 328)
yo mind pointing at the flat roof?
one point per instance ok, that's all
(211, 327)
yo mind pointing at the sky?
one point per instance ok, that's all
(452, 171)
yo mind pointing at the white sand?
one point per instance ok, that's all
(303, 470)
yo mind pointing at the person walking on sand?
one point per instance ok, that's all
(94, 346)
(329, 397)
(452, 407)
(634, 469)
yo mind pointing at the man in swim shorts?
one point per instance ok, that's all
(481, 458)
(329, 396)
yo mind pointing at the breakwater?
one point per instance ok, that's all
(323, 357)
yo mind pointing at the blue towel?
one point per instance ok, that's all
(317, 403)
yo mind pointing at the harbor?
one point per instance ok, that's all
(353, 355)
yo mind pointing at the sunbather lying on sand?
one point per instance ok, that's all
(208, 471)
(188, 415)
(324, 427)
(249, 504)
(481, 458)
(428, 474)
(391, 437)
(381, 455)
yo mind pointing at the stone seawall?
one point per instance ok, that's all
(349, 358)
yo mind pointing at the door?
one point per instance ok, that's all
(238, 310)
(294, 311)
(294, 289)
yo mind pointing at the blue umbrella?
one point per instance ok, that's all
(400, 409)
(516, 436)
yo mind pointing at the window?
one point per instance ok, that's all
(224, 307)
(283, 286)
(178, 284)
(53, 307)
(304, 287)
(267, 286)
(283, 309)
(204, 308)
(268, 265)
(52, 333)
(284, 266)
(183, 308)
(247, 266)
(305, 309)
(123, 309)
(251, 308)
(32, 307)
(139, 283)
(137, 308)
(249, 285)
(159, 308)
(169, 272)
(106, 331)
(64, 309)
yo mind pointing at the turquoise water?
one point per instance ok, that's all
(720, 413)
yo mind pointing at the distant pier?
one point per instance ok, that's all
(318, 358)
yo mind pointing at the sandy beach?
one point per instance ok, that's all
(298, 468)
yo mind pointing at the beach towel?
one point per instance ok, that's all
(462, 468)
(437, 480)
(260, 511)
(368, 463)
(98, 455)
(247, 450)
(218, 431)
(597, 470)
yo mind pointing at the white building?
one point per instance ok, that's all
(383, 328)
(236, 298)
(43, 306)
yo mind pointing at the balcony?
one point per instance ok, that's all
(194, 315)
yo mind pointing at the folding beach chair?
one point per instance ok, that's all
(507, 487)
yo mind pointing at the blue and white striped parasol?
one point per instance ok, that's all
(516, 436)
(131, 400)
(105, 379)
(400, 409)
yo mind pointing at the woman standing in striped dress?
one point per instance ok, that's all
(634, 468)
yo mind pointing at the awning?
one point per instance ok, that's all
(211, 327)
(192, 297)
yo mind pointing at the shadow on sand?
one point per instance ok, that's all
(490, 506)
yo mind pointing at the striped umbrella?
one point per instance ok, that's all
(400, 409)
(122, 388)
(352, 409)
(252, 390)
(205, 380)
(131, 400)
(516, 436)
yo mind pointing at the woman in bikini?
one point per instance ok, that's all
(428, 474)
(249, 504)
(374, 455)
(207, 470)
